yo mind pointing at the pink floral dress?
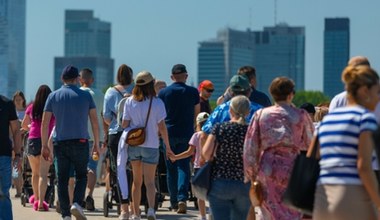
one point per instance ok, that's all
(274, 138)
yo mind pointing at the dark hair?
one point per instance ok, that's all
(355, 77)
(124, 75)
(86, 73)
(39, 101)
(21, 94)
(142, 92)
(280, 88)
(248, 71)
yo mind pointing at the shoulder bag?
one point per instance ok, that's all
(136, 136)
(201, 182)
(299, 194)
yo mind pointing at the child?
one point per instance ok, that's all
(195, 144)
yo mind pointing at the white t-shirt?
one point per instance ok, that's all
(136, 113)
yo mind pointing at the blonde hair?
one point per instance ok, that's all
(241, 106)
(355, 77)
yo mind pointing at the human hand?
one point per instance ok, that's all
(45, 152)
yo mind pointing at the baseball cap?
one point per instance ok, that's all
(70, 72)
(205, 84)
(239, 83)
(201, 117)
(143, 78)
(179, 68)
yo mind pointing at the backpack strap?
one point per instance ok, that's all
(122, 95)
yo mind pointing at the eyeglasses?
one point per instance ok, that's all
(209, 90)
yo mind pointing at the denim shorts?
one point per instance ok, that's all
(145, 154)
(34, 147)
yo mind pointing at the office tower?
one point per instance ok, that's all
(219, 59)
(12, 46)
(279, 51)
(87, 45)
(275, 51)
(336, 52)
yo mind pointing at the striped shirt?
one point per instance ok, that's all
(339, 138)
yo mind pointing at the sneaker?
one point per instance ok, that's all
(181, 208)
(124, 216)
(77, 211)
(135, 217)
(90, 204)
(173, 207)
(151, 215)
(66, 218)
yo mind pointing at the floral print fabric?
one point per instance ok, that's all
(274, 138)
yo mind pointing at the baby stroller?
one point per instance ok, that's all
(112, 198)
(27, 190)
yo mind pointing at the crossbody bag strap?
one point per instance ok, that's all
(147, 117)
(122, 95)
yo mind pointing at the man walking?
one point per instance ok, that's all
(182, 106)
(86, 80)
(8, 119)
(71, 108)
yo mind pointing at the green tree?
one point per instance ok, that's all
(314, 97)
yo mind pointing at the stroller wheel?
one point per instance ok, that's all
(105, 204)
(23, 199)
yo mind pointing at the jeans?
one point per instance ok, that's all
(68, 153)
(5, 185)
(229, 199)
(178, 173)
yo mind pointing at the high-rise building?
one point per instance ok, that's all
(279, 51)
(12, 46)
(275, 51)
(87, 45)
(336, 52)
(219, 59)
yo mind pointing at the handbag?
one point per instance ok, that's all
(201, 182)
(136, 136)
(299, 194)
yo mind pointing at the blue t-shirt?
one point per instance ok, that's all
(70, 106)
(259, 98)
(222, 114)
(179, 100)
(110, 108)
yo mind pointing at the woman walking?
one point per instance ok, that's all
(228, 195)
(274, 138)
(144, 158)
(40, 167)
(347, 187)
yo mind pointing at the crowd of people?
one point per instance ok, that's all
(248, 137)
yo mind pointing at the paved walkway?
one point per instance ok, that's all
(27, 212)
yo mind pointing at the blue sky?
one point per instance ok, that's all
(155, 34)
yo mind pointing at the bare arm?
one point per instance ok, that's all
(197, 109)
(365, 167)
(189, 152)
(208, 148)
(45, 151)
(164, 135)
(15, 128)
(311, 147)
(125, 123)
(107, 121)
(95, 129)
(25, 123)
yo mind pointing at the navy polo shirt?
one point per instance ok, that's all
(179, 100)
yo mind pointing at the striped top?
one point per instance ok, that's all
(339, 138)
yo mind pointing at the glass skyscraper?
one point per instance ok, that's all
(275, 51)
(87, 45)
(336, 54)
(12, 46)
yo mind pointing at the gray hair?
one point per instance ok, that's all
(241, 106)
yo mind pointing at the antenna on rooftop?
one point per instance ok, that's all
(275, 12)
(250, 18)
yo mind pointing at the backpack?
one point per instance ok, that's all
(120, 106)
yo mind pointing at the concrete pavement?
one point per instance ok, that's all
(27, 212)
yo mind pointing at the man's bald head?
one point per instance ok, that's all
(358, 60)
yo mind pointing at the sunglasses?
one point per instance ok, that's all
(209, 90)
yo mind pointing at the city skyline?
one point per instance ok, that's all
(156, 35)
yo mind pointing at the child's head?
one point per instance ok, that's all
(201, 119)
